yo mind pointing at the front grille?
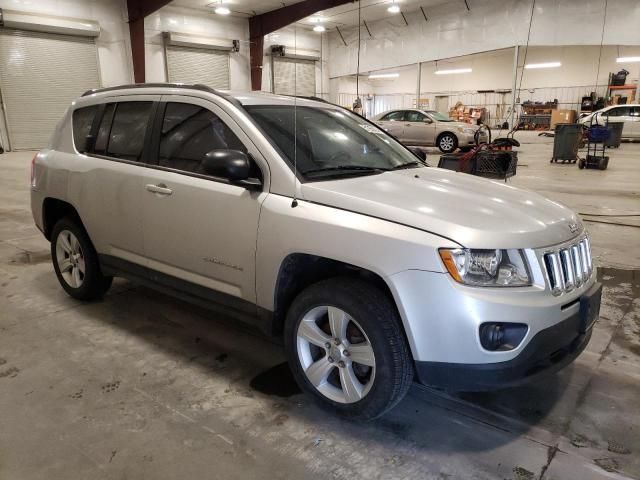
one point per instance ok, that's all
(569, 266)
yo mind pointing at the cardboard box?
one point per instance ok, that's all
(563, 116)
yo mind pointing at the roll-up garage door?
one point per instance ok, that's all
(40, 75)
(284, 70)
(198, 65)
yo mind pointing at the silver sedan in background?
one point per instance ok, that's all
(428, 128)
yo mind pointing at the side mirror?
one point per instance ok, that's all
(427, 120)
(231, 164)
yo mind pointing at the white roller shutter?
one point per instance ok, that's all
(284, 70)
(198, 65)
(40, 75)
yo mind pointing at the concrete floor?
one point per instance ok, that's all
(141, 385)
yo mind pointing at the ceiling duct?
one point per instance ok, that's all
(48, 23)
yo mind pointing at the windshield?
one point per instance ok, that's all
(440, 117)
(331, 142)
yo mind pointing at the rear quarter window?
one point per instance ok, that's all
(82, 122)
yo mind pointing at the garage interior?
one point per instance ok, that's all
(141, 385)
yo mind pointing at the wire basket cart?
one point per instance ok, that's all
(597, 136)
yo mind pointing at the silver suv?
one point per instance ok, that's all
(313, 224)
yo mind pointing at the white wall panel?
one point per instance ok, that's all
(491, 24)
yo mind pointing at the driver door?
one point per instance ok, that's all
(393, 122)
(200, 230)
(419, 129)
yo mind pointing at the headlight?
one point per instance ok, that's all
(469, 131)
(487, 268)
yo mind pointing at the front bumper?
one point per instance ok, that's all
(468, 139)
(442, 320)
(547, 352)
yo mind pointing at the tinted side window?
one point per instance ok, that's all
(129, 127)
(188, 133)
(102, 138)
(635, 112)
(393, 116)
(82, 122)
(619, 111)
(415, 117)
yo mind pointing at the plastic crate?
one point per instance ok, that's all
(486, 163)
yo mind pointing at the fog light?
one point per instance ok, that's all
(502, 336)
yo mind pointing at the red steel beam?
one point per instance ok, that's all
(268, 22)
(137, 10)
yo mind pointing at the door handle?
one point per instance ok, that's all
(160, 189)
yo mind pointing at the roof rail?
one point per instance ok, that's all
(200, 87)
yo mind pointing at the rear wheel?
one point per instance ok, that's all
(76, 262)
(447, 142)
(346, 348)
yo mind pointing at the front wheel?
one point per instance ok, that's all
(346, 348)
(447, 142)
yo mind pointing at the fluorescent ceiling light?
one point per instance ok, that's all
(543, 65)
(455, 70)
(373, 76)
(319, 28)
(222, 10)
(393, 8)
(627, 59)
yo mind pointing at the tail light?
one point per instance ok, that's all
(33, 170)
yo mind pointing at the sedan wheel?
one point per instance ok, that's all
(335, 354)
(447, 143)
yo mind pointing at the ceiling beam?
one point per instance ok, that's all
(268, 22)
(137, 10)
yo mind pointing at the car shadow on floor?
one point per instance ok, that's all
(192, 336)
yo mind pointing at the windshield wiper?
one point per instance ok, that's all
(346, 169)
(408, 165)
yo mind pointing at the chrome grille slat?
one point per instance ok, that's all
(569, 266)
(577, 263)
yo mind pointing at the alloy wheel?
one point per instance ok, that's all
(70, 259)
(446, 143)
(335, 354)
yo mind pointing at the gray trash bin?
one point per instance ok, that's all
(566, 142)
(615, 134)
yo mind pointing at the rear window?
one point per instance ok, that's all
(82, 122)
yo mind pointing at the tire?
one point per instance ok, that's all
(581, 164)
(75, 261)
(370, 320)
(447, 142)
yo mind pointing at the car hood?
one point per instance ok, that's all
(471, 211)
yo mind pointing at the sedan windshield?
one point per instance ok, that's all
(330, 142)
(440, 117)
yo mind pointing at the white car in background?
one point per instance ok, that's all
(627, 114)
(428, 128)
